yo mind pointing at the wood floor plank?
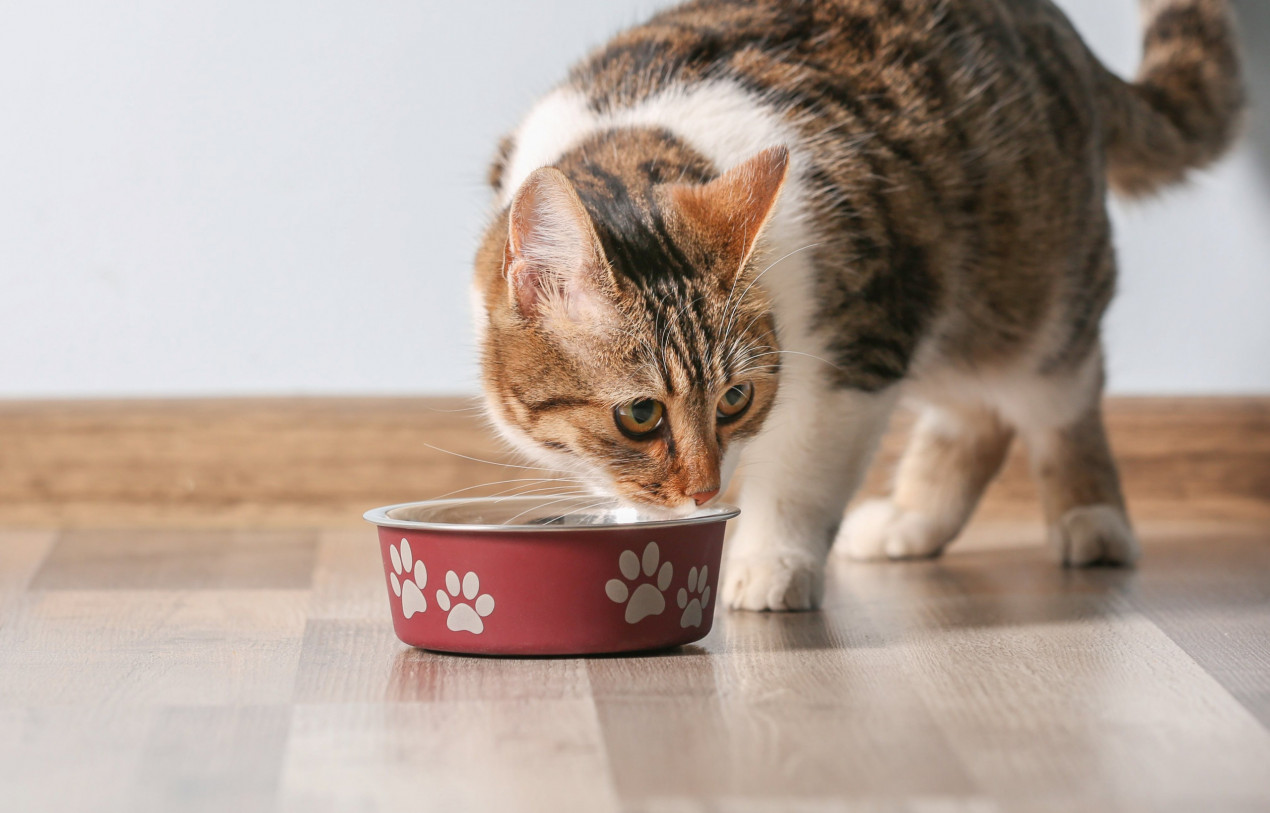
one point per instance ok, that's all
(150, 647)
(232, 462)
(179, 560)
(323, 462)
(70, 759)
(214, 759)
(1211, 595)
(21, 554)
(362, 661)
(491, 755)
(791, 708)
(163, 676)
(347, 567)
(1054, 690)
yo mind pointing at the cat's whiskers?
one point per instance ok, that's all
(742, 349)
(665, 330)
(580, 492)
(749, 356)
(498, 500)
(512, 519)
(769, 369)
(727, 303)
(490, 462)
(734, 307)
(773, 352)
(760, 275)
(529, 489)
(526, 480)
(583, 508)
(476, 407)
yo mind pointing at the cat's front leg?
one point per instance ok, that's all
(799, 474)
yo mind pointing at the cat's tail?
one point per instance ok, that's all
(1183, 109)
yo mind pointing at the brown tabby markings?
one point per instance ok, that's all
(683, 327)
(956, 160)
(949, 138)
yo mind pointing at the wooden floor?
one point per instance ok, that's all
(160, 670)
(303, 462)
(193, 617)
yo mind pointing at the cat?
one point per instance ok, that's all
(746, 228)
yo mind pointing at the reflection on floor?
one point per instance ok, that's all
(257, 671)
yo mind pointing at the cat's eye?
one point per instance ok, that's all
(640, 418)
(734, 402)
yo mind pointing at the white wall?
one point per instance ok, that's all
(283, 197)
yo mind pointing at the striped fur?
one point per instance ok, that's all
(939, 223)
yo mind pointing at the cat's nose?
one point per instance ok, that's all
(703, 497)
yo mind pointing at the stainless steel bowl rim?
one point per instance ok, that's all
(382, 517)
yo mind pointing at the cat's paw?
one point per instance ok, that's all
(878, 530)
(1094, 535)
(787, 581)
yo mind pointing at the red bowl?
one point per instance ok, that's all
(527, 576)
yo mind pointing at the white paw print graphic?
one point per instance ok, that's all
(408, 579)
(465, 617)
(647, 599)
(692, 607)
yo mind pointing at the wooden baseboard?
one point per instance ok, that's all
(322, 462)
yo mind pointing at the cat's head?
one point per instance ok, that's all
(622, 336)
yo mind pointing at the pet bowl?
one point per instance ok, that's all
(534, 576)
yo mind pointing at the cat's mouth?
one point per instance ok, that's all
(657, 509)
(635, 495)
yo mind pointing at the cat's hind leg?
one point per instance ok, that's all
(1076, 474)
(799, 474)
(952, 455)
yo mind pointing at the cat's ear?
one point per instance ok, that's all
(554, 264)
(731, 210)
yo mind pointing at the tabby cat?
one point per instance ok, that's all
(748, 227)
